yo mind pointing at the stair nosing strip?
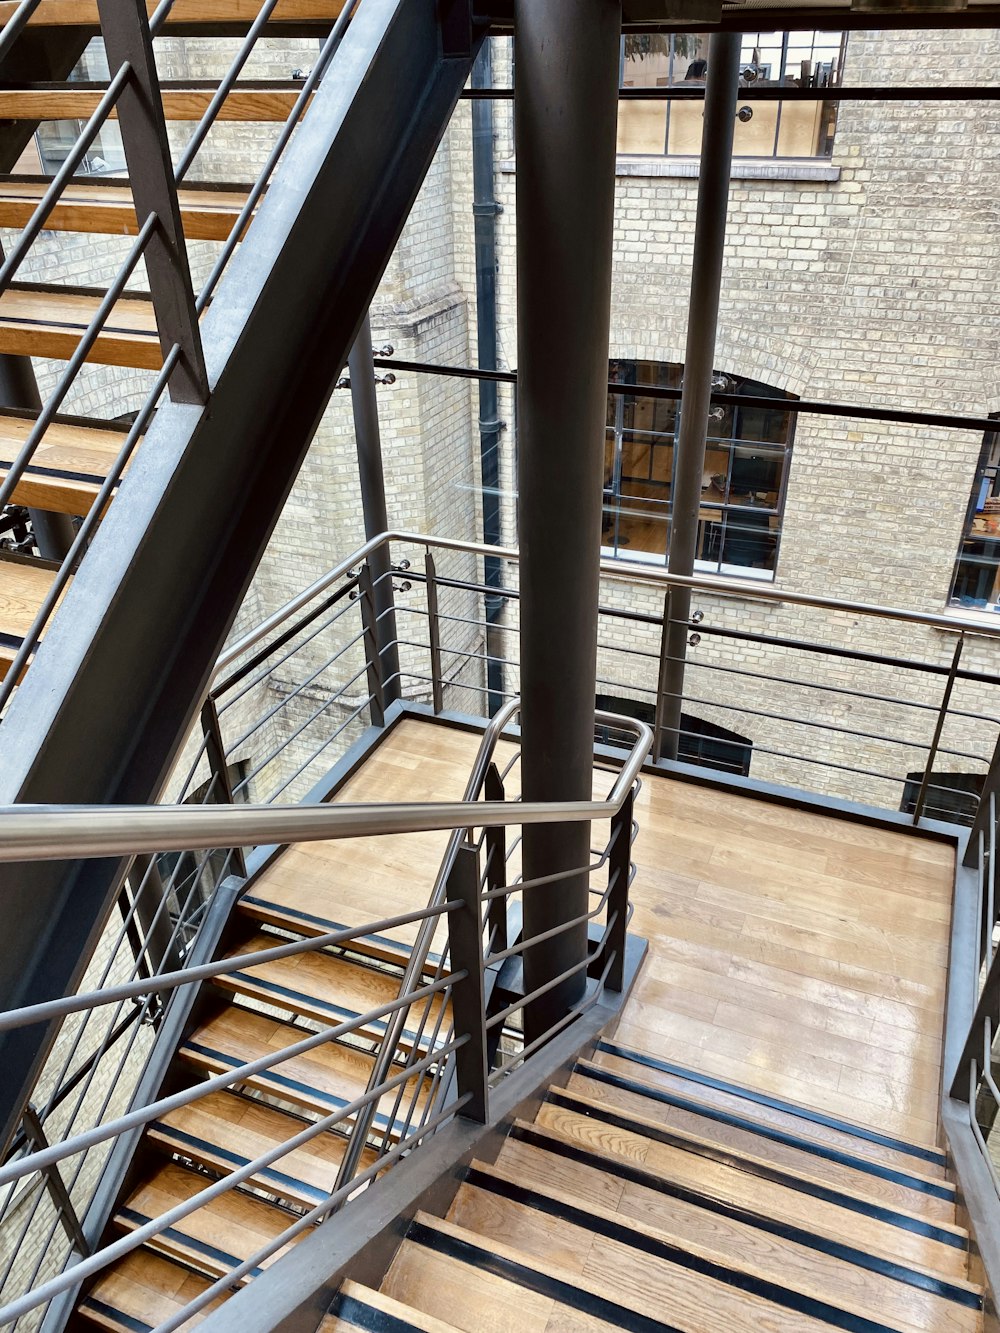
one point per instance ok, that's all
(670, 1252)
(524, 1275)
(327, 1098)
(879, 1212)
(310, 1000)
(186, 1139)
(33, 469)
(776, 1103)
(191, 1243)
(792, 1231)
(119, 1316)
(938, 1190)
(349, 1307)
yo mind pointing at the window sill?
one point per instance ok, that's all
(972, 617)
(749, 168)
(637, 558)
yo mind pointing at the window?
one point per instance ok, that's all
(768, 60)
(55, 138)
(976, 582)
(743, 484)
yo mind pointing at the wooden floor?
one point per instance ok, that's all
(791, 953)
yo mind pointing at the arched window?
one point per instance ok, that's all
(743, 485)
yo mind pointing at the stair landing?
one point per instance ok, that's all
(790, 952)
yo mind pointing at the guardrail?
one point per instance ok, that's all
(468, 900)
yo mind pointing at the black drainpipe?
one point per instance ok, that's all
(485, 209)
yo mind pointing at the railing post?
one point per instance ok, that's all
(496, 865)
(619, 865)
(151, 176)
(465, 939)
(215, 753)
(662, 683)
(990, 787)
(938, 728)
(366, 599)
(55, 1184)
(434, 632)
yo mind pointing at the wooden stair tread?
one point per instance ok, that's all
(141, 1291)
(911, 1191)
(357, 1306)
(529, 1213)
(37, 321)
(207, 214)
(755, 1157)
(22, 590)
(187, 13)
(602, 1282)
(180, 103)
(746, 1190)
(69, 464)
(325, 987)
(225, 1131)
(217, 1236)
(754, 1105)
(272, 905)
(326, 1078)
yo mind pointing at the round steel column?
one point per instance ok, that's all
(703, 316)
(565, 123)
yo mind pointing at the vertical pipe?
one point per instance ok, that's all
(565, 122)
(485, 210)
(703, 317)
(369, 444)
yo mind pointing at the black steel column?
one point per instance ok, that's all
(703, 315)
(485, 210)
(369, 442)
(565, 121)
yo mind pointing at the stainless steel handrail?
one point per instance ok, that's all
(652, 576)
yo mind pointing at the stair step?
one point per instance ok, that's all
(140, 1292)
(271, 102)
(858, 1192)
(69, 464)
(924, 1195)
(356, 1306)
(452, 1272)
(36, 320)
(529, 1212)
(326, 1078)
(23, 588)
(216, 1237)
(225, 1131)
(208, 214)
(259, 906)
(770, 1110)
(329, 989)
(739, 1183)
(184, 13)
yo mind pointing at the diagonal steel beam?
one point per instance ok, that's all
(123, 667)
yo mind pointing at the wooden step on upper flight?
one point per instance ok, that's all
(208, 213)
(187, 14)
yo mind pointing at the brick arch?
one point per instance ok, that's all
(741, 352)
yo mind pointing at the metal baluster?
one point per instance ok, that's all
(434, 630)
(496, 865)
(221, 783)
(938, 728)
(465, 937)
(366, 599)
(618, 873)
(151, 176)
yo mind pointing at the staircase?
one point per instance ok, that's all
(644, 1196)
(243, 1016)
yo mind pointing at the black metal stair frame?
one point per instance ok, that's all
(124, 664)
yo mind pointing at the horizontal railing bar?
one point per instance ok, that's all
(495, 1020)
(578, 1009)
(839, 93)
(56, 1152)
(95, 1262)
(53, 832)
(143, 986)
(308, 1219)
(523, 945)
(798, 406)
(351, 717)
